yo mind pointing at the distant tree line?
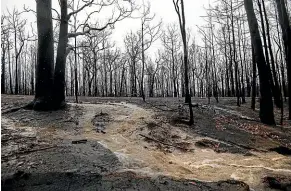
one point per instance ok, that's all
(244, 50)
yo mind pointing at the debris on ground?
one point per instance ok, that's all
(80, 141)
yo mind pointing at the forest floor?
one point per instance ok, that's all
(128, 144)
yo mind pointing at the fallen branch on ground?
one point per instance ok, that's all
(27, 152)
(79, 141)
(167, 110)
(163, 143)
(235, 113)
(15, 138)
(233, 143)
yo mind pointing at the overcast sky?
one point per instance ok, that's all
(163, 9)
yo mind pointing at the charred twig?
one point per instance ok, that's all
(79, 141)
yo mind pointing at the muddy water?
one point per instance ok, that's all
(122, 137)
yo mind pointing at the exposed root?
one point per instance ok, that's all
(12, 110)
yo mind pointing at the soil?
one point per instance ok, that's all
(128, 144)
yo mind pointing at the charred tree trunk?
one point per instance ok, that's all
(33, 56)
(60, 68)
(254, 84)
(237, 89)
(76, 72)
(182, 21)
(45, 56)
(266, 102)
(9, 67)
(3, 80)
(143, 62)
(286, 35)
(273, 81)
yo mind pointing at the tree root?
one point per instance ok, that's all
(38, 105)
(12, 110)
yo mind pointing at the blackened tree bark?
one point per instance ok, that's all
(182, 21)
(266, 101)
(4, 46)
(45, 56)
(60, 68)
(273, 81)
(276, 79)
(9, 67)
(33, 61)
(286, 35)
(3, 77)
(237, 89)
(254, 84)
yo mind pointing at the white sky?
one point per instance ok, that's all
(163, 9)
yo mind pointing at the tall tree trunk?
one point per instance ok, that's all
(286, 34)
(16, 64)
(32, 70)
(273, 81)
(228, 93)
(254, 84)
(271, 53)
(60, 68)
(84, 76)
(10, 69)
(182, 21)
(3, 80)
(230, 60)
(266, 102)
(237, 89)
(45, 56)
(143, 62)
(76, 72)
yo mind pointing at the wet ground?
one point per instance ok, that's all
(126, 144)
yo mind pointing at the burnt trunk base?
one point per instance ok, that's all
(43, 104)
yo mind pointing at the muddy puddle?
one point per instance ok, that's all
(118, 127)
